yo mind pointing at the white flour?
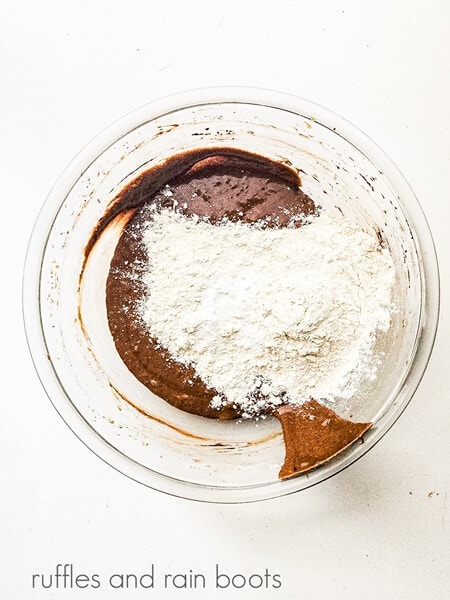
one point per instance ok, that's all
(268, 316)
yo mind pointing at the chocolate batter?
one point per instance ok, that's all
(313, 434)
(216, 184)
(232, 184)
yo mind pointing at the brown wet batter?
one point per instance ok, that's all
(313, 434)
(215, 184)
(235, 185)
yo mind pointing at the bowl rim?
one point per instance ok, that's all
(428, 320)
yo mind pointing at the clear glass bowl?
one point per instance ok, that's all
(65, 314)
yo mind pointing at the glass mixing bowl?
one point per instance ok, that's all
(65, 314)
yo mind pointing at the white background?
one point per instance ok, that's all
(381, 529)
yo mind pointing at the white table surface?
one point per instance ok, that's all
(381, 529)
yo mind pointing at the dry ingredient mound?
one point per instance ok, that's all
(268, 316)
